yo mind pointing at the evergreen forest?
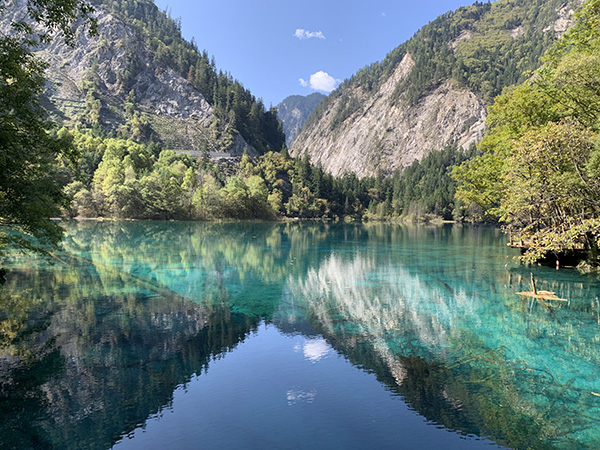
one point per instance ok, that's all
(124, 179)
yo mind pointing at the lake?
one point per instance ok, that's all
(181, 335)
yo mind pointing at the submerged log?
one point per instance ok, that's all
(541, 295)
(533, 284)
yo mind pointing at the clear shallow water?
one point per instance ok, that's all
(184, 335)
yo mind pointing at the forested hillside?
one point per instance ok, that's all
(231, 102)
(129, 170)
(432, 90)
(540, 168)
(139, 79)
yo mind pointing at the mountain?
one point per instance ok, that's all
(293, 112)
(433, 90)
(139, 79)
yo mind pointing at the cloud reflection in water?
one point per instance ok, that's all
(315, 349)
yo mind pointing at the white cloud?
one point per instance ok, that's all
(322, 81)
(305, 34)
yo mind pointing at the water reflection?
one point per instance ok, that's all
(97, 342)
(458, 344)
(315, 350)
(91, 350)
(299, 396)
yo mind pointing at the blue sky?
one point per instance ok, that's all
(278, 48)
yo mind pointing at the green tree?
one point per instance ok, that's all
(539, 172)
(31, 193)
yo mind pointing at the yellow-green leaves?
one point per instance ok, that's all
(540, 169)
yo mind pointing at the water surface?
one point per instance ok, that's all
(142, 335)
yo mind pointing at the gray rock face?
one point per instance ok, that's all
(164, 92)
(566, 15)
(178, 112)
(384, 137)
(364, 131)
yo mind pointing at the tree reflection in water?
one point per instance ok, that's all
(97, 342)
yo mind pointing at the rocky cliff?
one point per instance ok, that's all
(433, 90)
(383, 136)
(114, 79)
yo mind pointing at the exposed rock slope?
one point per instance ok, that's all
(384, 136)
(433, 90)
(94, 77)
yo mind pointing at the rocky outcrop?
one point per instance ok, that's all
(381, 136)
(432, 91)
(104, 59)
(566, 15)
(117, 63)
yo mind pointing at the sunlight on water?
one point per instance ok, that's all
(179, 335)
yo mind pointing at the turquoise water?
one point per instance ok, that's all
(146, 335)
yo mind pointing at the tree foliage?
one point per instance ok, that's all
(30, 184)
(125, 179)
(539, 171)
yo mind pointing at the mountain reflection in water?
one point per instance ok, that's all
(104, 337)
